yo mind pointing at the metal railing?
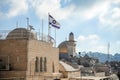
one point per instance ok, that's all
(5, 34)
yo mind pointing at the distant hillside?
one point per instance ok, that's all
(102, 56)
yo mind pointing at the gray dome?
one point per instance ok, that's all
(21, 33)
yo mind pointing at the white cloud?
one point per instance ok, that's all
(95, 44)
(118, 42)
(110, 17)
(43, 7)
(92, 38)
(94, 10)
(90, 43)
(106, 11)
(15, 7)
(116, 13)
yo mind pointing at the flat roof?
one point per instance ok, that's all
(91, 77)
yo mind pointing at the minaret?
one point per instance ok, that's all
(71, 37)
(72, 45)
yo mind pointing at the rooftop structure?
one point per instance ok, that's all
(26, 56)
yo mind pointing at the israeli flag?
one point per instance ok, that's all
(53, 22)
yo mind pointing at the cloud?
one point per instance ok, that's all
(105, 11)
(118, 42)
(95, 43)
(43, 7)
(11, 8)
(90, 42)
(111, 17)
(17, 7)
(93, 38)
(95, 10)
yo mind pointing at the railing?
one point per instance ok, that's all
(5, 34)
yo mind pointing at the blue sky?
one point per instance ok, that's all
(93, 22)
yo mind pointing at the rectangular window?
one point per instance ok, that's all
(41, 64)
(36, 64)
(45, 64)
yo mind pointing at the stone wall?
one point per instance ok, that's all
(42, 49)
(15, 53)
(21, 55)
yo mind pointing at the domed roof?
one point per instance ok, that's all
(71, 33)
(21, 33)
(63, 47)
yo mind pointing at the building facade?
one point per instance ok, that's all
(24, 57)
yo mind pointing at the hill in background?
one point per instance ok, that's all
(102, 56)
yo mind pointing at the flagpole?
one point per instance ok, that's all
(49, 31)
(55, 37)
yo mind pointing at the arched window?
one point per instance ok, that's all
(53, 69)
(45, 64)
(36, 64)
(41, 64)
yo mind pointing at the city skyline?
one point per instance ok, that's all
(93, 22)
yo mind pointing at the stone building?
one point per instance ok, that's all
(68, 71)
(24, 57)
(67, 48)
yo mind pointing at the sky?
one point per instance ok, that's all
(95, 23)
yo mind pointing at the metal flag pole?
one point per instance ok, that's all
(42, 29)
(49, 32)
(55, 37)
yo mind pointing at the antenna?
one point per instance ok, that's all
(108, 51)
(16, 24)
(27, 23)
(39, 34)
(42, 29)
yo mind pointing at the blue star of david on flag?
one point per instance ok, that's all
(53, 22)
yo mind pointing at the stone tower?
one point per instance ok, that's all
(71, 45)
(71, 37)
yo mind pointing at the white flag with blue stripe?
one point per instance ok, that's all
(53, 22)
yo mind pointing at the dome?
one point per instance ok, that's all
(63, 47)
(71, 33)
(21, 33)
(67, 47)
